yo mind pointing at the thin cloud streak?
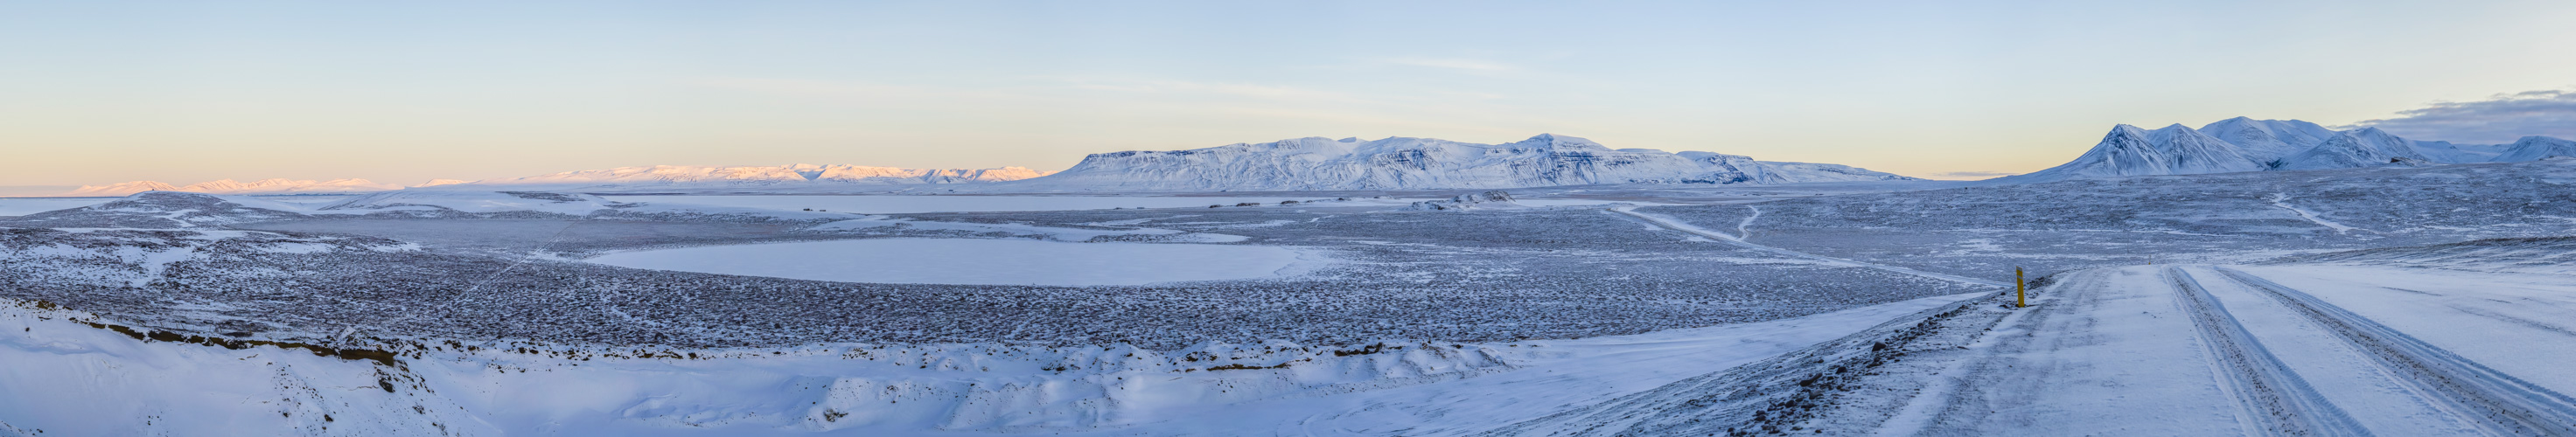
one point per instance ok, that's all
(1454, 64)
(2500, 119)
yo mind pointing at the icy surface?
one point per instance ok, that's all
(975, 261)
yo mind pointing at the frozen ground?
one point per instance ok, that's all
(851, 389)
(2330, 302)
(978, 261)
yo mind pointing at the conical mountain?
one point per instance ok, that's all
(2187, 151)
(2130, 151)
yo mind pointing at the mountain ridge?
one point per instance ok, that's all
(2243, 144)
(1320, 163)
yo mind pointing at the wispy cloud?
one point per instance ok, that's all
(2499, 119)
(1472, 65)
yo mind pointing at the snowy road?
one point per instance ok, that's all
(2151, 350)
(1677, 225)
(2494, 401)
(2264, 389)
(2291, 363)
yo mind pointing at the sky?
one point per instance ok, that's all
(402, 92)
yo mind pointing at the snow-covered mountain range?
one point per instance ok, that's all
(2244, 144)
(1318, 163)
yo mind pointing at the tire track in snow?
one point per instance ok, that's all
(2266, 390)
(2500, 403)
(2283, 201)
(1668, 223)
(1744, 230)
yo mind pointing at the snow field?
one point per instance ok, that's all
(139, 387)
(980, 261)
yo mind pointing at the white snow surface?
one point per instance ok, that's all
(979, 261)
(1318, 163)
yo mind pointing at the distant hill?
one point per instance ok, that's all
(2244, 144)
(1318, 163)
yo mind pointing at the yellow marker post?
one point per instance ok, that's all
(2018, 299)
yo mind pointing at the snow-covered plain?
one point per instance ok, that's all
(978, 261)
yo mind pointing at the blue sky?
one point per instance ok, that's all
(99, 92)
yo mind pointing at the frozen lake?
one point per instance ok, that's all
(976, 261)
